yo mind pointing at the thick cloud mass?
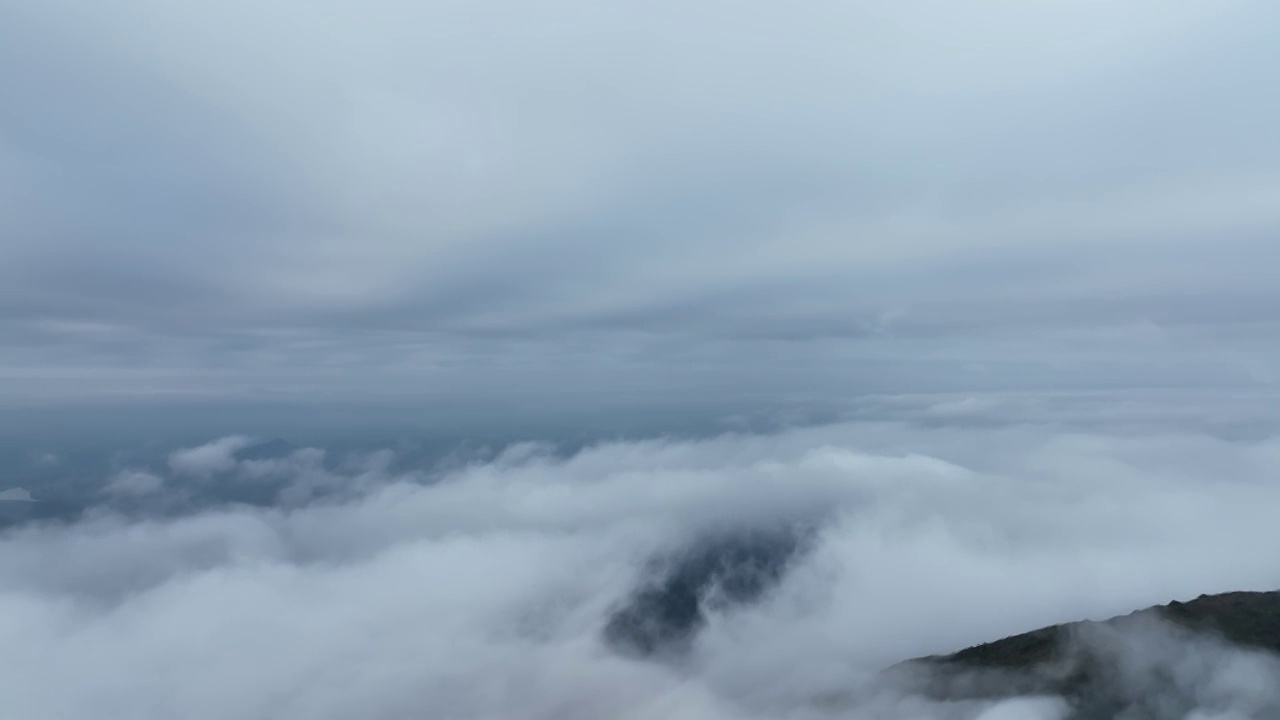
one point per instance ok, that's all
(487, 590)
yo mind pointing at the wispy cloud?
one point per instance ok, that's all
(211, 458)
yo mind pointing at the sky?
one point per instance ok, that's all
(333, 199)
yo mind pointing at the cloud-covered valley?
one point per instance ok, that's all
(813, 557)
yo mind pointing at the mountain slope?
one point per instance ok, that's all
(1159, 663)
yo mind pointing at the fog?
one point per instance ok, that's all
(484, 590)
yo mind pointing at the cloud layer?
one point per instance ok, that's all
(484, 591)
(314, 197)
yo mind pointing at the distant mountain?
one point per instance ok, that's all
(665, 612)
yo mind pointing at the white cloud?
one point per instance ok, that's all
(303, 474)
(483, 592)
(16, 495)
(1027, 709)
(135, 483)
(208, 459)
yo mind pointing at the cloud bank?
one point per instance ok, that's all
(485, 590)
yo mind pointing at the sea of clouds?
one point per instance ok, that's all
(481, 589)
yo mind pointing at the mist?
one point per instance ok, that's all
(814, 557)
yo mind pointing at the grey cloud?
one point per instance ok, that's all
(204, 183)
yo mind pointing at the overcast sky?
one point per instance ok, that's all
(222, 197)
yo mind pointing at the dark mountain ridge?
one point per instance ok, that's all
(1160, 663)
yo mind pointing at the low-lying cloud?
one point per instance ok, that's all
(486, 590)
(208, 459)
(135, 482)
(16, 495)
